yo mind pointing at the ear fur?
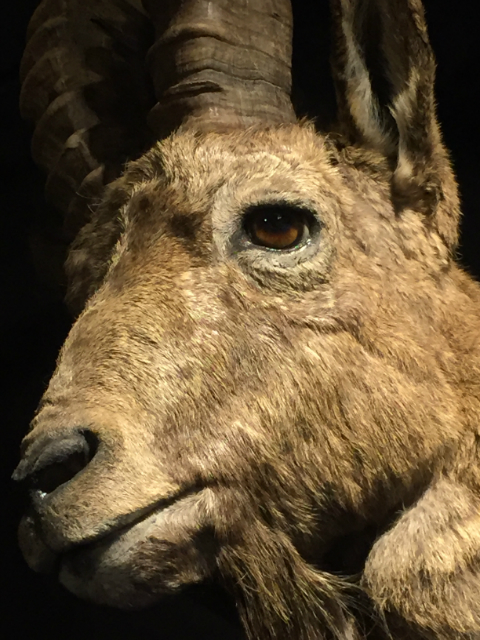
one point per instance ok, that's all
(426, 569)
(384, 72)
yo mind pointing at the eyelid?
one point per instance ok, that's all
(309, 221)
(231, 241)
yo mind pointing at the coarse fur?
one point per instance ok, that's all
(301, 426)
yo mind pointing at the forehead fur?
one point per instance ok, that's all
(201, 160)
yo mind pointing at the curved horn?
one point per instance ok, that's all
(218, 63)
(85, 88)
(214, 64)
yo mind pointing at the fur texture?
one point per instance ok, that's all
(303, 425)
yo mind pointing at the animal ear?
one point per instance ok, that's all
(426, 569)
(384, 72)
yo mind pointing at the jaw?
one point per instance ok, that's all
(132, 568)
(184, 544)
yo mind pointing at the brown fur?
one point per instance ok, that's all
(304, 430)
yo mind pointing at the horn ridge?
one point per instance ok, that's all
(220, 64)
(86, 90)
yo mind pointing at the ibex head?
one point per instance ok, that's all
(274, 380)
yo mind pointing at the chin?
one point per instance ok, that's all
(133, 568)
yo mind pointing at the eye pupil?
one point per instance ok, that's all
(276, 227)
(277, 222)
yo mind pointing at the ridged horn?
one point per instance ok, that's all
(85, 88)
(85, 84)
(220, 63)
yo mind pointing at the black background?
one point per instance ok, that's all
(34, 322)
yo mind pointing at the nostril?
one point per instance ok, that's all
(59, 461)
(53, 475)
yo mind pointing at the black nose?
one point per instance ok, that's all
(55, 460)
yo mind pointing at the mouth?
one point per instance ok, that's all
(146, 554)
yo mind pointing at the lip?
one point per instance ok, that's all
(43, 559)
(132, 566)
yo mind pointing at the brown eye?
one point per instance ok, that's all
(277, 227)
